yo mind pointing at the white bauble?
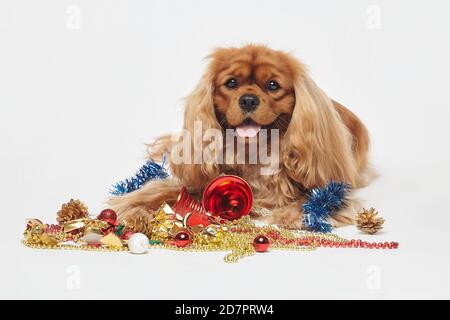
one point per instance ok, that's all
(138, 243)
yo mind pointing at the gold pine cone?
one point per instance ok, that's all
(74, 209)
(368, 221)
(140, 223)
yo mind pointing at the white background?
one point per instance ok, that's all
(83, 84)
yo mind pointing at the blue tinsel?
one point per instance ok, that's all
(323, 203)
(149, 171)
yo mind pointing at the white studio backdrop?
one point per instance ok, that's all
(85, 83)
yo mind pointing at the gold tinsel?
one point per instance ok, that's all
(141, 223)
(73, 210)
(368, 221)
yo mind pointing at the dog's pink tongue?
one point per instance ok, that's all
(248, 131)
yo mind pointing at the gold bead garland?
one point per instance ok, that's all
(239, 243)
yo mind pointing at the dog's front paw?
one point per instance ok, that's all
(289, 217)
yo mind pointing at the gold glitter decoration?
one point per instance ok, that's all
(111, 241)
(163, 223)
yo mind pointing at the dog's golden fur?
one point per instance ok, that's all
(321, 140)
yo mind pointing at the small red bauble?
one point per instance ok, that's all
(109, 216)
(126, 235)
(261, 243)
(182, 239)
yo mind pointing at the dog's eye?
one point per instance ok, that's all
(273, 85)
(231, 83)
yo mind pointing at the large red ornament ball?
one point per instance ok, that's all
(109, 216)
(228, 197)
(261, 243)
(182, 239)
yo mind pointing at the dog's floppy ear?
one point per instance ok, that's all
(199, 116)
(317, 147)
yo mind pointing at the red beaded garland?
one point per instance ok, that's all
(53, 228)
(261, 243)
(276, 237)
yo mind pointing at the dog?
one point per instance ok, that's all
(249, 89)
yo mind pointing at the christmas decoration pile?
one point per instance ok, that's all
(220, 222)
(321, 205)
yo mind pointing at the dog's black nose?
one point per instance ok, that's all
(249, 102)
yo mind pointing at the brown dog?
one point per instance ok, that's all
(253, 88)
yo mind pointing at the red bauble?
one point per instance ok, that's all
(261, 243)
(182, 239)
(228, 197)
(126, 235)
(109, 216)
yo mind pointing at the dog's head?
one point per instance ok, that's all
(254, 87)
